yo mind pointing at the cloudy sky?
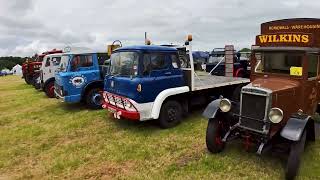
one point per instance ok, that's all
(30, 26)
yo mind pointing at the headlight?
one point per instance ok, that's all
(225, 105)
(275, 115)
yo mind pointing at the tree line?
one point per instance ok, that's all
(9, 61)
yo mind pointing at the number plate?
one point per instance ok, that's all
(112, 110)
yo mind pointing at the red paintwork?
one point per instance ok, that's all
(125, 114)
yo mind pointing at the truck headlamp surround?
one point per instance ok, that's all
(225, 105)
(275, 115)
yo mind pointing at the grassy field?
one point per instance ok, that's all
(43, 138)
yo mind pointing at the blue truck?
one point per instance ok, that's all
(153, 83)
(216, 63)
(80, 78)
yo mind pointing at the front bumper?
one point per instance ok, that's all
(121, 113)
(69, 99)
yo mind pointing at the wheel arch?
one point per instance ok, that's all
(164, 96)
(295, 127)
(91, 85)
(212, 109)
(48, 81)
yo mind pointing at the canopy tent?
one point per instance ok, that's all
(17, 70)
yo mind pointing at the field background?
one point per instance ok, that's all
(43, 138)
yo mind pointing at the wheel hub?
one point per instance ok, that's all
(97, 99)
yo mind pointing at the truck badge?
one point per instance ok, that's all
(77, 81)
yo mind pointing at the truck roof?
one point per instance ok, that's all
(148, 48)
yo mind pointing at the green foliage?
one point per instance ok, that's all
(245, 50)
(10, 61)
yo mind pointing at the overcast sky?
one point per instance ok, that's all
(30, 26)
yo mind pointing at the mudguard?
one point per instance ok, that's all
(294, 128)
(162, 96)
(48, 80)
(212, 109)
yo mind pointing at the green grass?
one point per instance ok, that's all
(43, 138)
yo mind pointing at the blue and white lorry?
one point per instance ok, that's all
(156, 83)
(80, 78)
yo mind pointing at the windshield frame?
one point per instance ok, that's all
(255, 62)
(66, 68)
(138, 64)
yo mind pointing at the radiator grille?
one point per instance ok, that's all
(253, 108)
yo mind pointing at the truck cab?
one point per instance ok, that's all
(48, 69)
(80, 78)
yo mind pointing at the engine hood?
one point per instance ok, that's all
(276, 85)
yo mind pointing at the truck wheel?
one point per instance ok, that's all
(296, 150)
(214, 135)
(170, 114)
(94, 98)
(28, 79)
(49, 89)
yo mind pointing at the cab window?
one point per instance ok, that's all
(102, 57)
(154, 61)
(47, 62)
(175, 61)
(56, 61)
(279, 62)
(79, 61)
(313, 61)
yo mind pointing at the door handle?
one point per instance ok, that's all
(167, 73)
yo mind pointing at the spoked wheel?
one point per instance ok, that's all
(49, 89)
(94, 98)
(294, 158)
(170, 114)
(215, 133)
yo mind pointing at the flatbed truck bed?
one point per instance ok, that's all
(202, 82)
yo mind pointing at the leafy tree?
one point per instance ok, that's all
(9, 61)
(245, 50)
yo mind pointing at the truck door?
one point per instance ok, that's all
(158, 75)
(45, 69)
(55, 61)
(312, 88)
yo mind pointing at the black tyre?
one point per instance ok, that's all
(214, 135)
(49, 89)
(94, 98)
(170, 114)
(296, 150)
(28, 79)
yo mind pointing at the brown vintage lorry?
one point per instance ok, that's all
(274, 111)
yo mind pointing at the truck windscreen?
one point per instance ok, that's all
(124, 64)
(278, 62)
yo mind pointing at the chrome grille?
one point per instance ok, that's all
(254, 109)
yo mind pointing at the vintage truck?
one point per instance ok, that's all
(48, 69)
(31, 68)
(216, 64)
(275, 111)
(149, 83)
(80, 78)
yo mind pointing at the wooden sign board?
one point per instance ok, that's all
(302, 32)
